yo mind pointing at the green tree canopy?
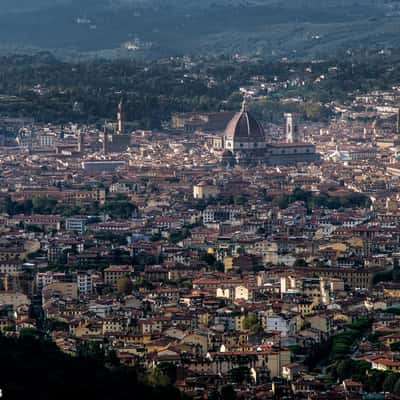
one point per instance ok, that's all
(251, 322)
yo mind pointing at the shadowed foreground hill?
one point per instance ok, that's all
(32, 369)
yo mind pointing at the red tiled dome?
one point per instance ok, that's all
(244, 127)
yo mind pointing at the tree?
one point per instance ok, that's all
(228, 392)
(155, 237)
(251, 322)
(344, 369)
(360, 370)
(208, 259)
(301, 195)
(240, 374)
(125, 285)
(93, 350)
(395, 347)
(111, 358)
(28, 332)
(33, 228)
(56, 325)
(122, 209)
(281, 201)
(176, 237)
(169, 370)
(390, 382)
(396, 270)
(157, 378)
(396, 388)
(43, 205)
(375, 381)
(212, 261)
(214, 395)
(25, 359)
(300, 262)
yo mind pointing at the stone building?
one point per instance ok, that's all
(245, 143)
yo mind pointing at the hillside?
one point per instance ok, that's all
(153, 28)
(33, 369)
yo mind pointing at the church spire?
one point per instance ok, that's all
(244, 105)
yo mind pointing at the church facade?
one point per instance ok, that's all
(244, 143)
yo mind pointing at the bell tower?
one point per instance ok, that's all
(121, 118)
(292, 131)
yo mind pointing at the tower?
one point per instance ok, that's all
(105, 139)
(81, 142)
(120, 118)
(292, 131)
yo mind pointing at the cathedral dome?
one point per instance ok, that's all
(244, 127)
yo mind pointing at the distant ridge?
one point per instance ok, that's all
(153, 28)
